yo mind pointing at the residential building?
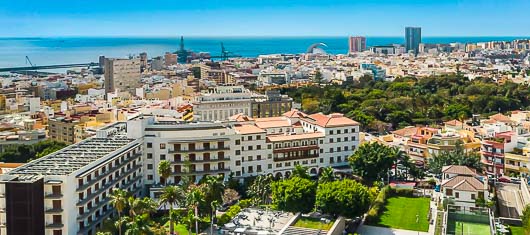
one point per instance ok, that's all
(493, 152)
(122, 74)
(67, 192)
(413, 39)
(416, 147)
(356, 44)
(462, 186)
(252, 152)
(222, 102)
(272, 104)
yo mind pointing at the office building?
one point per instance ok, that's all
(356, 44)
(413, 39)
(122, 74)
(67, 192)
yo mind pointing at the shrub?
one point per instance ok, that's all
(245, 203)
(226, 217)
(403, 192)
(378, 205)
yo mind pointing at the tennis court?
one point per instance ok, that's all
(468, 228)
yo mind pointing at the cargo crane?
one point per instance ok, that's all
(225, 54)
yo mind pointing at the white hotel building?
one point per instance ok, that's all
(67, 192)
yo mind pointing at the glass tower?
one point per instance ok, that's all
(412, 39)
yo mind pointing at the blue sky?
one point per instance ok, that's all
(23, 18)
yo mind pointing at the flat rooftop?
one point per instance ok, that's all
(73, 157)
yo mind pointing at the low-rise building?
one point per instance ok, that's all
(462, 185)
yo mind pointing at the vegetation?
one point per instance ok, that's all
(313, 223)
(378, 205)
(294, 194)
(22, 153)
(260, 189)
(410, 101)
(456, 157)
(403, 212)
(327, 175)
(164, 170)
(372, 161)
(526, 219)
(346, 198)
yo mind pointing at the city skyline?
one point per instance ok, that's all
(31, 18)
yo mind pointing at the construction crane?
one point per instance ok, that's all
(28, 61)
(225, 54)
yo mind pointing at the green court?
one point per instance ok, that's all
(468, 228)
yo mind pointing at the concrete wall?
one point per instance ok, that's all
(525, 192)
(338, 226)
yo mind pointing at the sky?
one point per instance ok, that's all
(55, 18)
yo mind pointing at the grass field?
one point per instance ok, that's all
(468, 228)
(401, 212)
(517, 230)
(312, 223)
(180, 229)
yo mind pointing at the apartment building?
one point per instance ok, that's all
(253, 153)
(122, 74)
(67, 192)
(222, 102)
(272, 104)
(194, 149)
(493, 151)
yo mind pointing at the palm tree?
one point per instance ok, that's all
(214, 188)
(171, 195)
(260, 189)
(141, 206)
(118, 200)
(138, 225)
(164, 170)
(193, 199)
(327, 175)
(214, 206)
(300, 171)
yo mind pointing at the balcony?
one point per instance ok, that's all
(53, 210)
(199, 172)
(108, 172)
(297, 148)
(53, 195)
(225, 148)
(202, 160)
(487, 153)
(490, 163)
(279, 159)
(55, 225)
(511, 167)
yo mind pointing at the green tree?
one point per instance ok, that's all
(118, 200)
(164, 170)
(455, 157)
(372, 161)
(526, 219)
(294, 194)
(345, 197)
(300, 171)
(194, 198)
(327, 175)
(260, 189)
(170, 196)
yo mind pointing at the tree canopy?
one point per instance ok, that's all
(294, 194)
(372, 161)
(455, 157)
(344, 197)
(23, 153)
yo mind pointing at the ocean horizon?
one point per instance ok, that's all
(65, 50)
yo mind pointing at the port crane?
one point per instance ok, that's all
(225, 54)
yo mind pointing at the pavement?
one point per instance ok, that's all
(372, 230)
(510, 200)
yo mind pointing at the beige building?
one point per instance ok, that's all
(122, 74)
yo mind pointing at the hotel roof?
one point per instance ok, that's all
(331, 120)
(74, 157)
(248, 129)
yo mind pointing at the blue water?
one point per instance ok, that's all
(45, 51)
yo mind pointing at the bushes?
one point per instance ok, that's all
(346, 198)
(294, 194)
(226, 217)
(403, 192)
(378, 204)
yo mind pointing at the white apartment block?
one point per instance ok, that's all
(222, 102)
(67, 192)
(122, 75)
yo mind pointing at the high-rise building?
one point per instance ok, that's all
(357, 44)
(122, 74)
(413, 39)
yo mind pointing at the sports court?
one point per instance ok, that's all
(467, 228)
(468, 222)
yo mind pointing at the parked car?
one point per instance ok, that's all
(504, 180)
(437, 188)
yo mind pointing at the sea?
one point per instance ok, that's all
(66, 50)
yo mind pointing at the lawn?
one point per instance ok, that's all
(517, 230)
(180, 229)
(304, 222)
(401, 212)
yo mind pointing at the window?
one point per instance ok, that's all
(258, 147)
(249, 137)
(331, 160)
(57, 232)
(345, 148)
(269, 146)
(287, 164)
(149, 145)
(250, 147)
(331, 140)
(238, 173)
(331, 132)
(250, 158)
(56, 204)
(321, 150)
(238, 163)
(345, 131)
(473, 196)
(449, 192)
(238, 152)
(258, 157)
(322, 160)
(162, 157)
(162, 146)
(149, 166)
(149, 177)
(149, 156)
(338, 131)
(56, 189)
(457, 195)
(321, 141)
(345, 138)
(57, 219)
(338, 149)
(269, 166)
(258, 137)
(250, 169)
(330, 150)
(258, 168)
(278, 165)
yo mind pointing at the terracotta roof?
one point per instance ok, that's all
(294, 113)
(331, 120)
(274, 138)
(501, 118)
(453, 122)
(6, 167)
(272, 124)
(240, 117)
(460, 170)
(407, 131)
(464, 183)
(248, 129)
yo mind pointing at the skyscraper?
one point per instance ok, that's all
(412, 39)
(357, 44)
